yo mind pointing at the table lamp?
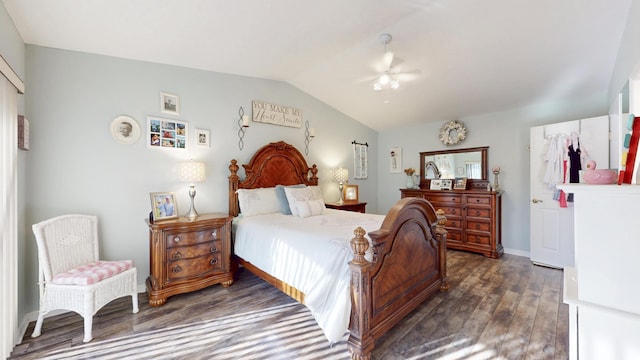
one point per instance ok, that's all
(192, 172)
(341, 176)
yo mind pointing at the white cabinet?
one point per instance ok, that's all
(602, 288)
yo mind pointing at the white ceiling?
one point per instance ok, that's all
(464, 57)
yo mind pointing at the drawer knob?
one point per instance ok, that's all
(177, 255)
(477, 226)
(177, 269)
(477, 213)
(477, 200)
(214, 233)
(213, 249)
(176, 239)
(213, 261)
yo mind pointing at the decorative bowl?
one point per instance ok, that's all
(600, 176)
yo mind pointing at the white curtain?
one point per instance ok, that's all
(8, 217)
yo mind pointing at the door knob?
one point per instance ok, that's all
(535, 201)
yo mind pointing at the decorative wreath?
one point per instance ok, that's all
(460, 132)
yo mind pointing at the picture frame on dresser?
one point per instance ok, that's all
(435, 184)
(460, 184)
(163, 205)
(446, 184)
(350, 192)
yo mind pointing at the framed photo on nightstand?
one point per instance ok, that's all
(350, 192)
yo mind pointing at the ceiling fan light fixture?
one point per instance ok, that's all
(377, 86)
(394, 84)
(384, 79)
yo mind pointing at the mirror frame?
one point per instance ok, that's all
(472, 184)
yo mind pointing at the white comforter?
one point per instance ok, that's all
(311, 254)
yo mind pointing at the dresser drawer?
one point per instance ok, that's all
(478, 225)
(450, 211)
(194, 237)
(478, 212)
(454, 234)
(444, 198)
(187, 252)
(453, 224)
(478, 199)
(188, 268)
(478, 238)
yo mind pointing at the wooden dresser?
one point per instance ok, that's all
(188, 255)
(473, 218)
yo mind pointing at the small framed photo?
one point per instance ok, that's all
(125, 129)
(163, 205)
(350, 193)
(166, 133)
(446, 184)
(202, 138)
(435, 184)
(169, 103)
(460, 184)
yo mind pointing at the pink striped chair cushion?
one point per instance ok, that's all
(92, 273)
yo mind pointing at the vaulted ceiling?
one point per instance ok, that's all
(456, 57)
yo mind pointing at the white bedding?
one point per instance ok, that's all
(311, 254)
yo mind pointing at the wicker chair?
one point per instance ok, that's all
(71, 276)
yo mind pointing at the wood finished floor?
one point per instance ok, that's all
(495, 309)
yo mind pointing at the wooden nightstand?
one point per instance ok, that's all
(348, 206)
(188, 255)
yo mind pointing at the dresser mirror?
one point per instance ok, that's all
(469, 163)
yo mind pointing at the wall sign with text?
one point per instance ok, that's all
(276, 114)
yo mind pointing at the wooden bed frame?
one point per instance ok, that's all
(409, 250)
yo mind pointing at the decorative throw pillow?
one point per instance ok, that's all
(302, 194)
(310, 208)
(258, 201)
(282, 197)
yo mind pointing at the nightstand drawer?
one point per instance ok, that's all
(187, 252)
(195, 237)
(187, 268)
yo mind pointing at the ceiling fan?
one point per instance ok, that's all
(387, 78)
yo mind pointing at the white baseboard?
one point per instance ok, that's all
(517, 252)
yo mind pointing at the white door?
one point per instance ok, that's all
(551, 228)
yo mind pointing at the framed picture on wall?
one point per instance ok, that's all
(163, 205)
(125, 129)
(166, 133)
(395, 160)
(202, 138)
(169, 103)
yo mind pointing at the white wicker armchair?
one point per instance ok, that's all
(71, 276)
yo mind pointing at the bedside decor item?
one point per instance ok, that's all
(452, 133)
(23, 133)
(166, 133)
(192, 172)
(341, 176)
(202, 138)
(125, 129)
(360, 159)
(496, 172)
(169, 103)
(163, 205)
(350, 193)
(243, 125)
(309, 134)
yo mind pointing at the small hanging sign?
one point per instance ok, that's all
(276, 114)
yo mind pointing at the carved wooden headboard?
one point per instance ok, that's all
(277, 163)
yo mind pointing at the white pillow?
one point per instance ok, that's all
(258, 201)
(295, 195)
(310, 208)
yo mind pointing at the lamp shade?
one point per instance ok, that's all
(192, 171)
(341, 175)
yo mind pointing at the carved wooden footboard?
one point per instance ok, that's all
(409, 259)
(409, 265)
